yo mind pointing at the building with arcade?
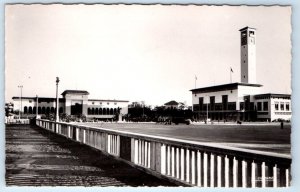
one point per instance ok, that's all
(73, 102)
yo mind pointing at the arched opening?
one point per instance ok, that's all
(111, 111)
(93, 111)
(115, 111)
(30, 110)
(43, 110)
(96, 111)
(89, 111)
(48, 110)
(25, 110)
(104, 111)
(61, 110)
(52, 110)
(34, 110)
(100, 111)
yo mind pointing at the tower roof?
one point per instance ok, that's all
(245, 28)
(78, 92)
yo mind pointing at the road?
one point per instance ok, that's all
(35, 157)
(264, 137)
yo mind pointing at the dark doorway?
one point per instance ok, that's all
(76, 109)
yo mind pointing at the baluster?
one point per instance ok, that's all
(168, 160)
(163, 159)
(263, 174)
(199, 170)
(205, 172)
(148, 154)
(244, 174)
(287, 177)
(118, 145)
(226, 171)
(187, 165)
(136, 148)
(173, 161)
(235, 172)
(177, 163)
(182, 164)
(193, 169)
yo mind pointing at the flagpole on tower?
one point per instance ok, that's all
(195, 81)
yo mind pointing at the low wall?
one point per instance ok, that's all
(185, 162)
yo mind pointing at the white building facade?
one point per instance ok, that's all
(74, 102)
(241, 101)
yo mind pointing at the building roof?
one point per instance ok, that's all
(172, 103)
(272, 95)
(109, 100)
(247, 28)
(224, 87)
(41, 99)
(77, 92)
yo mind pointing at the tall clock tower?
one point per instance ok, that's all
(248, 55)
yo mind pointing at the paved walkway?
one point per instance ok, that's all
(35, 157)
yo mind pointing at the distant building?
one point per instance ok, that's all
(241, 101)
(175, 105)
(74, 102)
(172, 104)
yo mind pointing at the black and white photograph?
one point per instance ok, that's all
(134, 95)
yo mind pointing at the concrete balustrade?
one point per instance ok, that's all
(187, 162)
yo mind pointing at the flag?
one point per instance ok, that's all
(231, 70)
(195, 77)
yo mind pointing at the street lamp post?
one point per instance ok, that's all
(57, 105)
(21, 87)
(37, 106)
(207, 110)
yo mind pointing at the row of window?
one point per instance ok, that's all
(102, 111)
(41, 110)
(283, 106)
(263, 106)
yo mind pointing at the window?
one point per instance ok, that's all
(212, 103)
(200, 103)
(100, 103)
(259, 106)
(242, 106)
(115, 103)
(266, 106)
(93, 103)
(224, 101)
(30, 101)
(107, 103)
(25, 109)
(287, 106)
(282, 106)
(276, 106)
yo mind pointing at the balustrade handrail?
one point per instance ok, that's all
(247, 154)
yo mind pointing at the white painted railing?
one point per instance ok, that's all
(17, 121)
(187, 162)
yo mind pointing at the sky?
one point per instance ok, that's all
(148, 53)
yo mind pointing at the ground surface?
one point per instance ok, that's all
(35, 157)
(264, 137)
